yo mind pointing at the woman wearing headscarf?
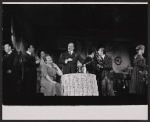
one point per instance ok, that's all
(137, 85)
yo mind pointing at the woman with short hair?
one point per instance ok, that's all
(49, 70)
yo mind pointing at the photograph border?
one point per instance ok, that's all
(73, 1)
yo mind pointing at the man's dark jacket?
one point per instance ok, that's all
(70, 67)
(30, 74)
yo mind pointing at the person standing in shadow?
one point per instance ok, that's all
(30, 72)
(12, 71)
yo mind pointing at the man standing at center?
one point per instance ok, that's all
(69, 60)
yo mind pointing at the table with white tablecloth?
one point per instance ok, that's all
(79, 84)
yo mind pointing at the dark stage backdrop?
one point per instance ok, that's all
(118, 28)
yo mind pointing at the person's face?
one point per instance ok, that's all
(70, 47)
(100, 52)
(42, 54)
(31, 49)
(141, 51)
(7, 48)
(49, 60)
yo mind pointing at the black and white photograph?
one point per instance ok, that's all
(74, 54)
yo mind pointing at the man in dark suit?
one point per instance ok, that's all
(105, 64)
(69, 60)
(7, 69)
(12, 71)
(30, 73)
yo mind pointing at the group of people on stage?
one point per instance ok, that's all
(19, 72)
(22, 73)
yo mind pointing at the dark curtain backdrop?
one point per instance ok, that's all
(51, 27)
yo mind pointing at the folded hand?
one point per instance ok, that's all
(69, 59)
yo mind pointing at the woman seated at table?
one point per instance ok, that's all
(49, 70)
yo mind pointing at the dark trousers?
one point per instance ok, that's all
(11, 84)
(99, 85)
(107, 87)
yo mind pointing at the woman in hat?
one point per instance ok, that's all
(137, 85)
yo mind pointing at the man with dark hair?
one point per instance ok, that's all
(105, 64)
(12, 71)
(30, 73)
(90, 63)
(69, 60)
(7, 69)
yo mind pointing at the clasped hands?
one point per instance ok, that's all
(55, 66)
(68, 60)
(99, 66)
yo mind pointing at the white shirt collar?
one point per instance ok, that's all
(71, 52)
(103, 56)
(28, 52)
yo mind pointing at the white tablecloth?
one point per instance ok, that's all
(79, 84)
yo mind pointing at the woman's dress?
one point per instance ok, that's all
(137, 85)
(48, 88)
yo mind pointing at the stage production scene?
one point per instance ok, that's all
(75, 50)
